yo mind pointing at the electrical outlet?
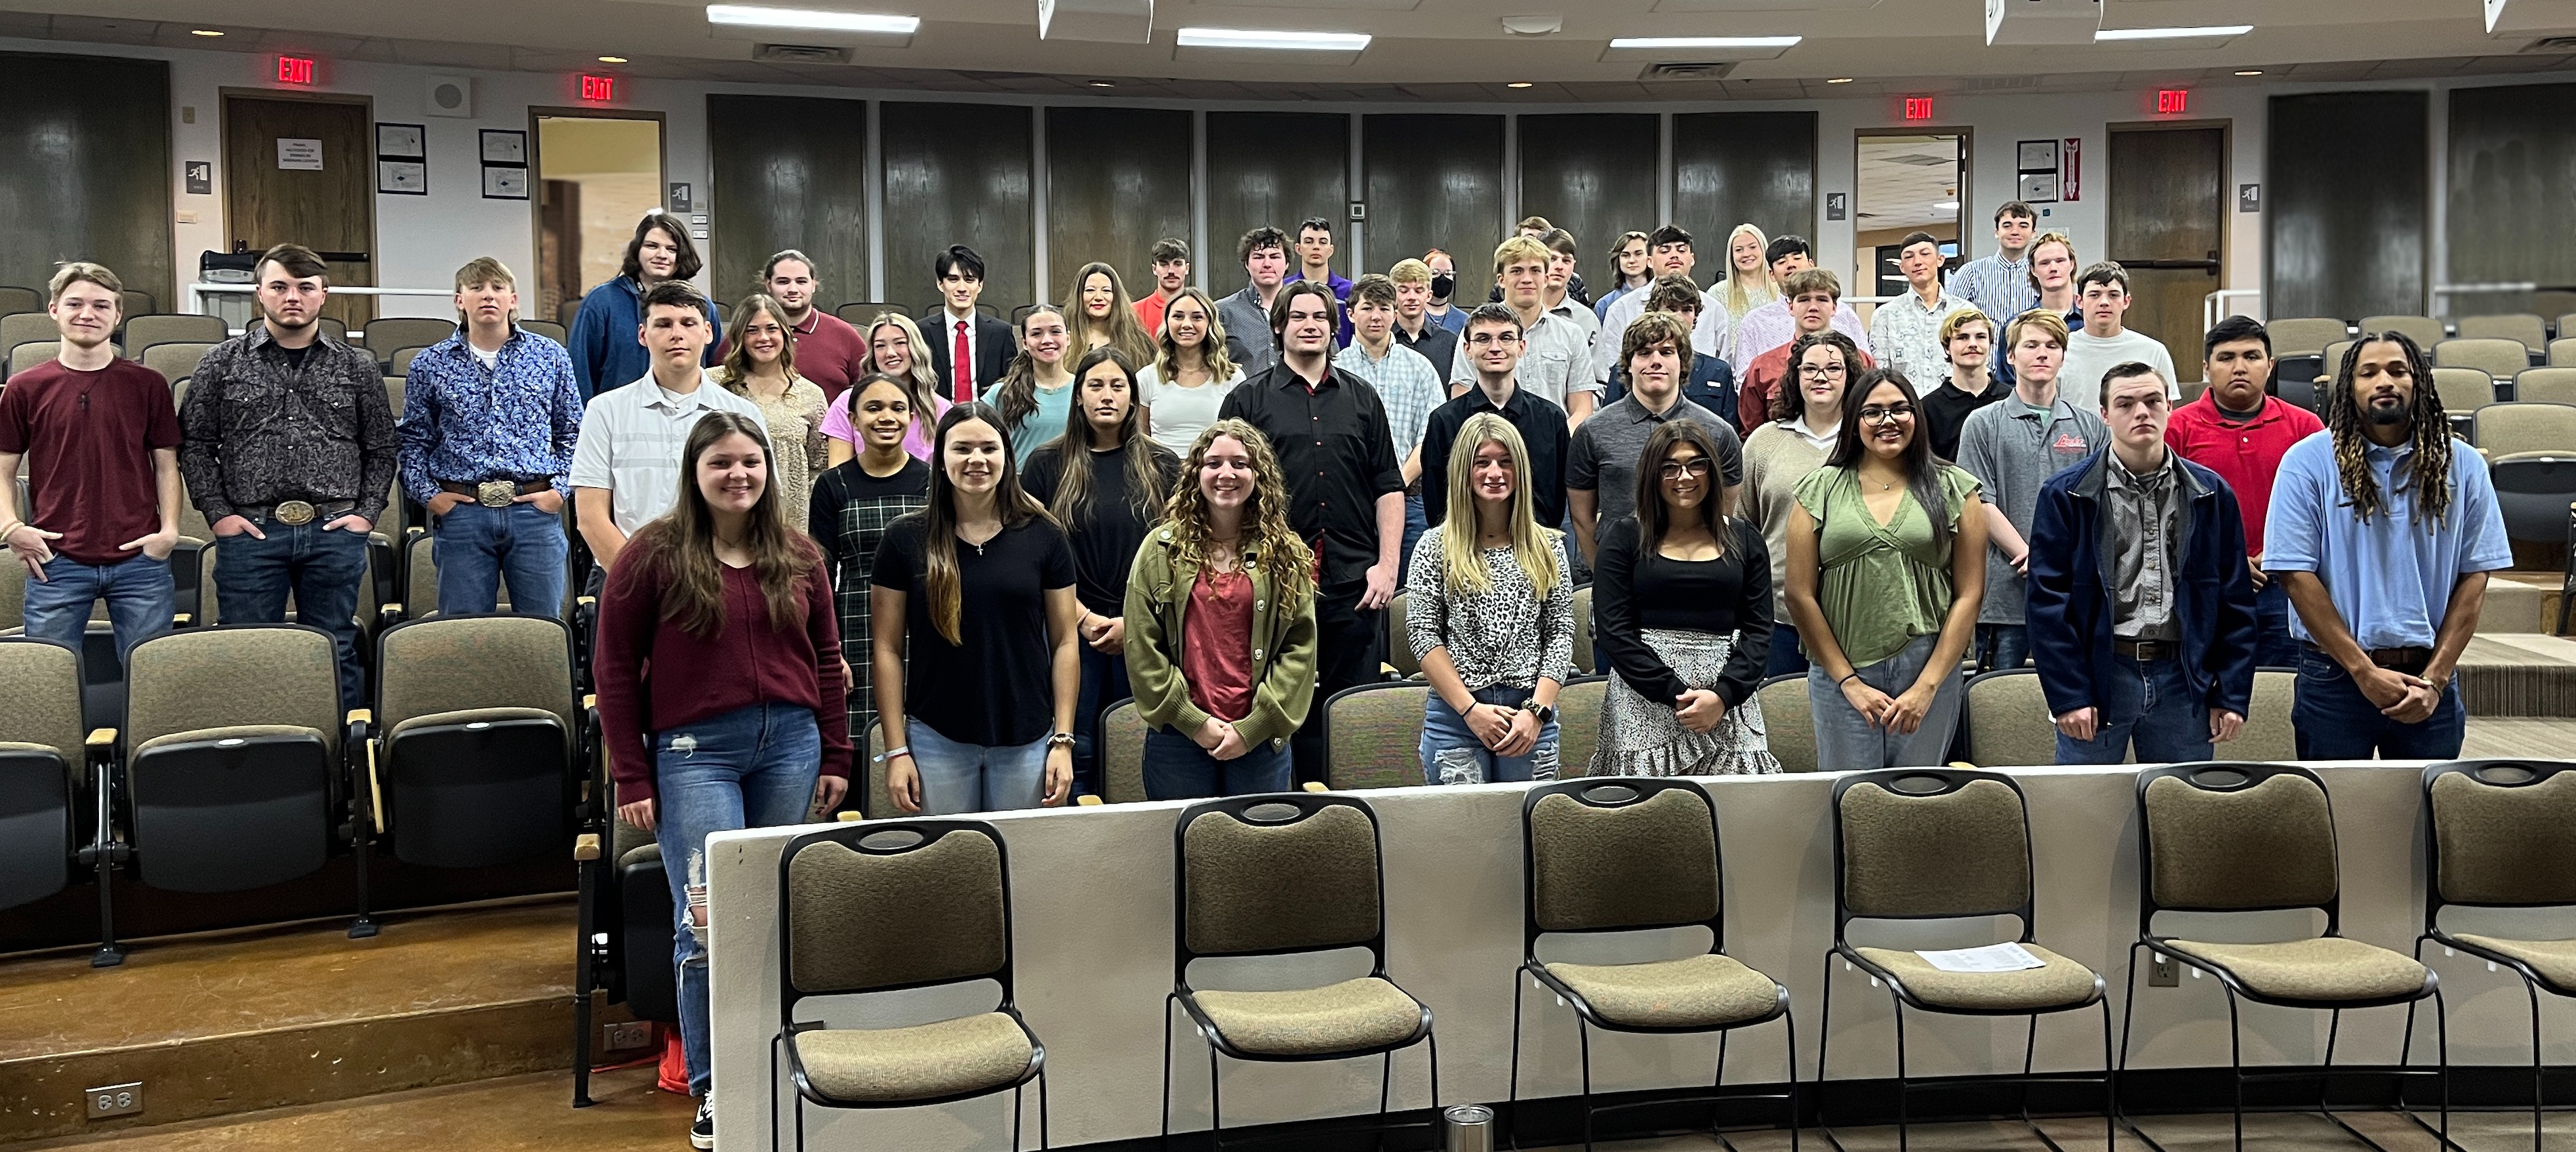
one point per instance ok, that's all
(2167, 973)
(114, 1100)
(633, 1034)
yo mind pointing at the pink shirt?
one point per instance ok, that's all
(836, 425)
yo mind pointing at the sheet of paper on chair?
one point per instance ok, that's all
(2006, 957)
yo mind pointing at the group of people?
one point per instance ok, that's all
(972, 536)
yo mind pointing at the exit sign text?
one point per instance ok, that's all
(1918, 107)
(295, 70)
(2172, 101)
(599, 89)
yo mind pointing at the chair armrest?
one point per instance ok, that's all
(1963, 766)
(389, 614)
(1087, 802)
(100, 740)
(849, 817)
(183, 620)
(1316, 786)
(586, 846)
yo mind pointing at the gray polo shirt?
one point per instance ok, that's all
(1603, 456)
(2011, 452)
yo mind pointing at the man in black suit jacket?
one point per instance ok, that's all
(989, 342)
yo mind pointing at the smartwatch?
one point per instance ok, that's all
(1546, 713)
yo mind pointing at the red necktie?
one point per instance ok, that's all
(961, 365)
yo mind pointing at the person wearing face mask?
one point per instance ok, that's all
(853, 504)
(1444, 285)
(1415, 326)
(1190, 376)
(1221, 625)
(894, 351)
(605, 352)
(1105, 481)
(718, 660)
(980, 718)
(762, 369)
(1035, 396)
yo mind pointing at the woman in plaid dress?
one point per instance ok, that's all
(853, 503)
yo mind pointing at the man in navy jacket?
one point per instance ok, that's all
(2141, 611)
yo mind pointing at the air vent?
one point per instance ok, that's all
(2551, 45)
(1686, 71)
(1998, 83)
(802, 54)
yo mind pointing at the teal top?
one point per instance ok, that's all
(1881, 585)
(1043, 425)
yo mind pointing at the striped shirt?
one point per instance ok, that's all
(1999, 288)
(1405, 383)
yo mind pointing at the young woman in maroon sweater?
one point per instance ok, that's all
(718, 653)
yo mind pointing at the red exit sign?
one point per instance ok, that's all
(599, 89)
(1918, 107)
(2172, 101)
(295, 70)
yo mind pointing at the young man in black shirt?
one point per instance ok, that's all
(1967, 342)
(1345, 487)
(1493, 346)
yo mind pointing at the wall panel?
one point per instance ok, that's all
(1118, 179)
(1273, 168)
(1435, 181)
(1592, 174)
(84, 153)
(2335, 245)
(1733, 168)
(2513, 180)
(788, 172)
(958, 174)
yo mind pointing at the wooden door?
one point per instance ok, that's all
(2168, 214)
(273, 194)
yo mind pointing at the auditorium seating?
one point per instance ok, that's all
(859, 312)
(143, 333)
(1373, 735)
(24, 327)
(1122, 752)
(2305, 336)
(886, 907)
(1927, 844)
(1279, 875)
(15, 300)
(176, 360)
(2545, 385)
(2236, 838)
(479, 759)
(1399, 644)
(2504, 429)
(34, 352)
(2497, 358)
(2463, 392)
(1788, 721)
(2562, 351)
(2005, 719)
(1627, 854)
(390, 334)
(548, 329)
(401, 363)
(2524, 328)
(2268, 733)
(44, 769)
(1584, 640)
(1578, 723)
(138, 302)
(2425, 331)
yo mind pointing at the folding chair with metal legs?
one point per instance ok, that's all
(1716, 1096)
(1905, 1084)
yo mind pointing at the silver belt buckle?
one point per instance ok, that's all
(496, 493)
(292, 512)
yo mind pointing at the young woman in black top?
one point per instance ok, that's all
(1681, 605)
(853, 503)
(1105, 480)
(982, 579)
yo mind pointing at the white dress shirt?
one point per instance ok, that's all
(947, 338)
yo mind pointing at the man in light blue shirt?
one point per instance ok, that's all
(1999, 285)
(2387, 575)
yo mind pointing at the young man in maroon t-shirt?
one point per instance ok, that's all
(102, 444)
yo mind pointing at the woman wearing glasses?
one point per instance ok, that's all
(1806, 420)
(1885, 578)
(1681, 604)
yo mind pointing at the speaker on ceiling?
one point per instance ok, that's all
(448, 96)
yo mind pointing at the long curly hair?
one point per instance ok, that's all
(2428, 474)
(1285, 557)
(678, 548)
(1167, 359)
(1789, 397)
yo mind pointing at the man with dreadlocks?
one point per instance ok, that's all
(2383, 529)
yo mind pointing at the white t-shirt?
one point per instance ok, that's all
(1179, 414)
(2089, 356)
(491, 360)
(631, 440)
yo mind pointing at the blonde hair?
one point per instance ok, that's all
(1462, 564)
(1740, 293)
(1409, 271)
(2030, 256)
(1951, 324)
(82, 271)
(1519, 248)
(1211, 348)
(485, 270)
(920, 384)
(2040, 318)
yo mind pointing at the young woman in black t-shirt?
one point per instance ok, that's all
(854, 502)
(983, 582)
(1105, 480)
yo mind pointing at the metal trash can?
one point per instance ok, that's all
(1470, 1128)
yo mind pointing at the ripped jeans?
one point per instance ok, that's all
(1451, 754)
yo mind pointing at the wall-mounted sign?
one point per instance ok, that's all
(296, 70)
(1837, 205)
(680, 199)
(2070, 169)
(295, 154)
(201, 177)
(2249, 197)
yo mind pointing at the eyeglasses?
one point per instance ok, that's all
(1494, 338)
(1881, 414)
(1819, 371)
(1673, 469)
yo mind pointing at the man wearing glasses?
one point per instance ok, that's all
(1492, 349)
(1345, 491)
(2013, 446)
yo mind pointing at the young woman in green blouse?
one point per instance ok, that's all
(1885, 578)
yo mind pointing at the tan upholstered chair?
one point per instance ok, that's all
(1578, 723)
(2305, 335)
(27, 327)
(1373, 735)
(2562, 351)
(2524, 328)
(860, 313)
(2268, 734)
(878, 804)
(2502, 834)
(2007, 720)
(14, 300)
(43, 762)
(548, 329)
(2497, 358)
(401, 363)
(625, 925)
(1789, 722)
(2332, 366)
(2522, 426)
(175, 361)
(479, 759)
(2463, 392)
(144, 333)
(1122, 753)
(1285, 874)
(2423, 330)
(384, 337)
(1399, 646)
(34, 352)
(1583, 638)
(2545, 385)
(1630, 854)
(1944, 844)
(2236, 836)
(137, 302)
(885, 906)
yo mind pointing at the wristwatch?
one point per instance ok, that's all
(1546, 713)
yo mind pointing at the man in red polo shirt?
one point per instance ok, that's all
(2235, 430)
(102, 444)
(828, 351)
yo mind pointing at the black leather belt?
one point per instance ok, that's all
(2410, 661)
(2147, 649)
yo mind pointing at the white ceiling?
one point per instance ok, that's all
(1425, 50)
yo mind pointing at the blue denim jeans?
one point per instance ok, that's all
(2002, 646)
(960, 778)
(1451, 754)
(1104, 682)
(2332, 720)
(1176, 768)
(322, 568)
(1847, 743)
(1415, 524)
(1788, 653)
(2274, 647)
(478, 547)
(139, 595)
(2144, 701)
(749, 768)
